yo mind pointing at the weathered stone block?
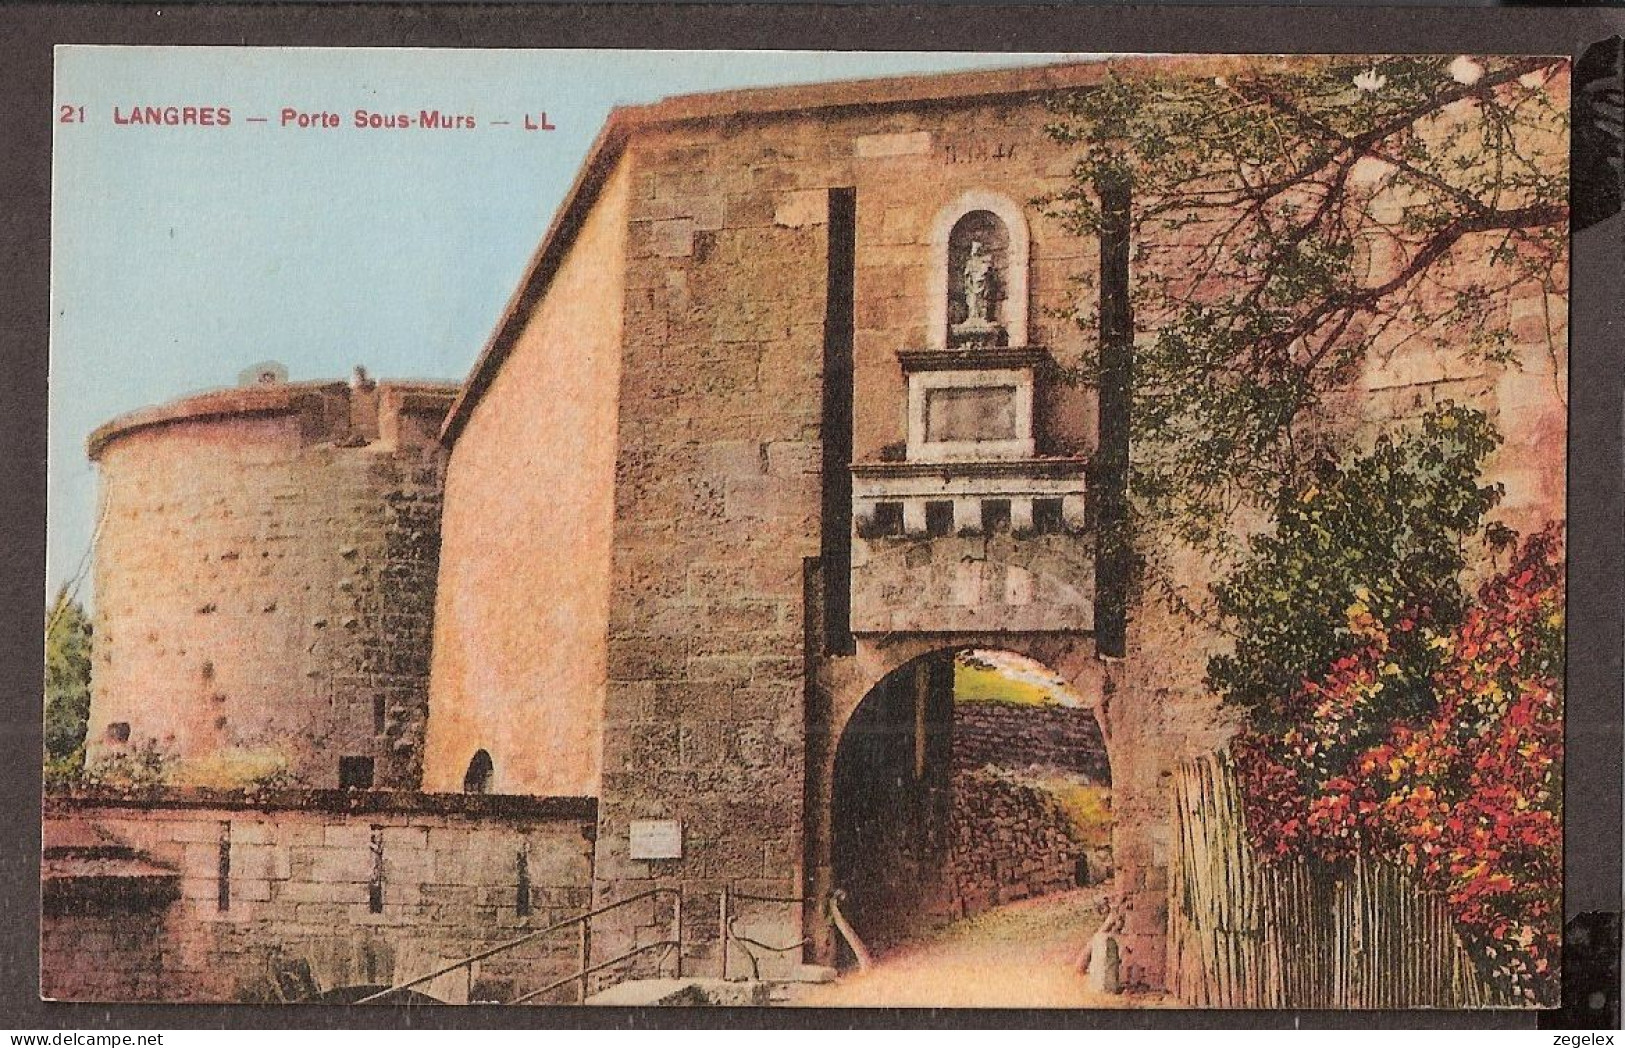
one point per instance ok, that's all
(805, 207)
(908, 143)
(673, 238)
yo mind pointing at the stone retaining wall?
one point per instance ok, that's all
(361, 888)
(1062, 737)
(1010, 841)
(942, 856)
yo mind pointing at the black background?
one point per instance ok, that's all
(1597, 392)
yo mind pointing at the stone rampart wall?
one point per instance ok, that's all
(520, 633)
(360, 888)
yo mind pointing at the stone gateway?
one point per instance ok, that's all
(807, 424)
(781, 419)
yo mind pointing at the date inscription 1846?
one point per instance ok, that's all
(976, 152)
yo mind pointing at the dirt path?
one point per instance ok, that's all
(1017, 956)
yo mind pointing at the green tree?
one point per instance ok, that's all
(1383, 538)
(67, 682)
(1287, 216)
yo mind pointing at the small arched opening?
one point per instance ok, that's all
(480, 771)
(966, 780)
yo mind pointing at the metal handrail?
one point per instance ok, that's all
(746, 941)
(580, 918)
(831, 911)
(767, 898)
(600, 966)
(729, 936)
(859, 951)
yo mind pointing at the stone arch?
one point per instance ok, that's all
(880, 669)
(1071, 655)
(480, 773)
(1014, 295)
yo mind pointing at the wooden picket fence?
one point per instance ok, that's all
(1245, 934)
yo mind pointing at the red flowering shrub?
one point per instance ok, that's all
(1467, 796)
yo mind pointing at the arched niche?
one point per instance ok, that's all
(997, 224)
(480, 772)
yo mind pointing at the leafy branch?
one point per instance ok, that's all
(1289, 224)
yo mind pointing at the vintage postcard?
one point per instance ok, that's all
(806, 528)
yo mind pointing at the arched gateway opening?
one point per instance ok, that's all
(966, 779)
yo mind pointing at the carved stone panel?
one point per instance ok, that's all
(971, 413)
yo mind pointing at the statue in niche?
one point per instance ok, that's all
(978, 284)
(978, 255)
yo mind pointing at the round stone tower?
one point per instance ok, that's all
(264, 572)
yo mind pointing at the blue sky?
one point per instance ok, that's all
(182, 255)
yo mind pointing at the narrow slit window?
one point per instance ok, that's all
(223, 872)
(375, 883)
(522, 892)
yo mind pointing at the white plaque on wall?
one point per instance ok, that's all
(657, 839)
